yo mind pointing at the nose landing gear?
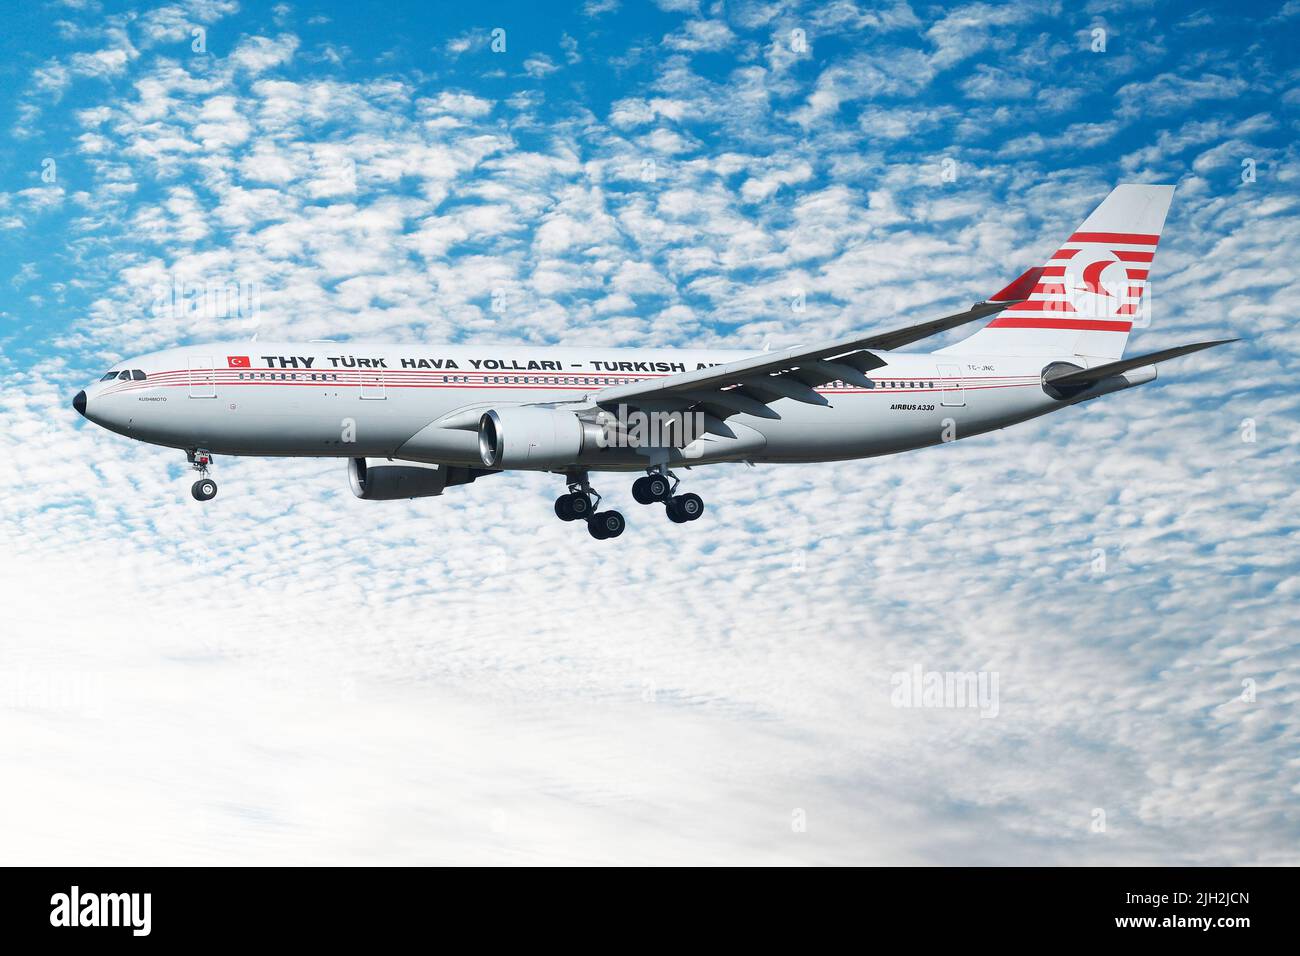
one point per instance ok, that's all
(660, 486)
(205, 489)
(580, 505)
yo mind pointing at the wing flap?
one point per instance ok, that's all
(729, 400)
(785, 386)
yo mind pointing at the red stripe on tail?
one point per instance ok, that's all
(1094, 325)
(1020, 289)
(1131, 238)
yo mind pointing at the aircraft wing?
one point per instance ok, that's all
(750, 384)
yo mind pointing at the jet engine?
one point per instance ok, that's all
(531, 437)
(392, 482)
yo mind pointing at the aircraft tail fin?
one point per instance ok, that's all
(1084, 299)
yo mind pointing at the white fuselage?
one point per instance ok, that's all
(383, 401)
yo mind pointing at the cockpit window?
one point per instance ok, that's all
(137, 375)
(108, 376)
(124, 375)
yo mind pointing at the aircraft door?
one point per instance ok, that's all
(372, 383)
(203, 377)
(953, 394)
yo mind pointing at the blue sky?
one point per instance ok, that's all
(318, 678)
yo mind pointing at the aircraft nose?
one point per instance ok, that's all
(79, 402)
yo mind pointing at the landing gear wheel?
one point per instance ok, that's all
(562, 508)
(657, 487)
(674, 512)
(641, 491)
(205, 489)
(578, 507)
(606, 524)
(690, 506)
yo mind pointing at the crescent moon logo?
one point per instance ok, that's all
(1097, 287)
(1092, 277)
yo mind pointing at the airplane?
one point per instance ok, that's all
(453, 414)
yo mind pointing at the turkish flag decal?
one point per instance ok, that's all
(237, 361)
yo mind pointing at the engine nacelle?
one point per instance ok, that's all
(392, 482)
(536, 438)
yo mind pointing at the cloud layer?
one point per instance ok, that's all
(290, 674)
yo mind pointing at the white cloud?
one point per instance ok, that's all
(1074, 137)
(992, 83)
(460, 104)
(259, 54)
(101, 63)
(539, 65)
(570, 45)
(696, 36)
(901, 72)
(763, 185)
(1169, 92)
(968, 30)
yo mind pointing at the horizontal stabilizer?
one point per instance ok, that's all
(1087, 376)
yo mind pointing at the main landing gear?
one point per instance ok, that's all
(580, 505)
(660, 486)
(205, 489)
(581, 502)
